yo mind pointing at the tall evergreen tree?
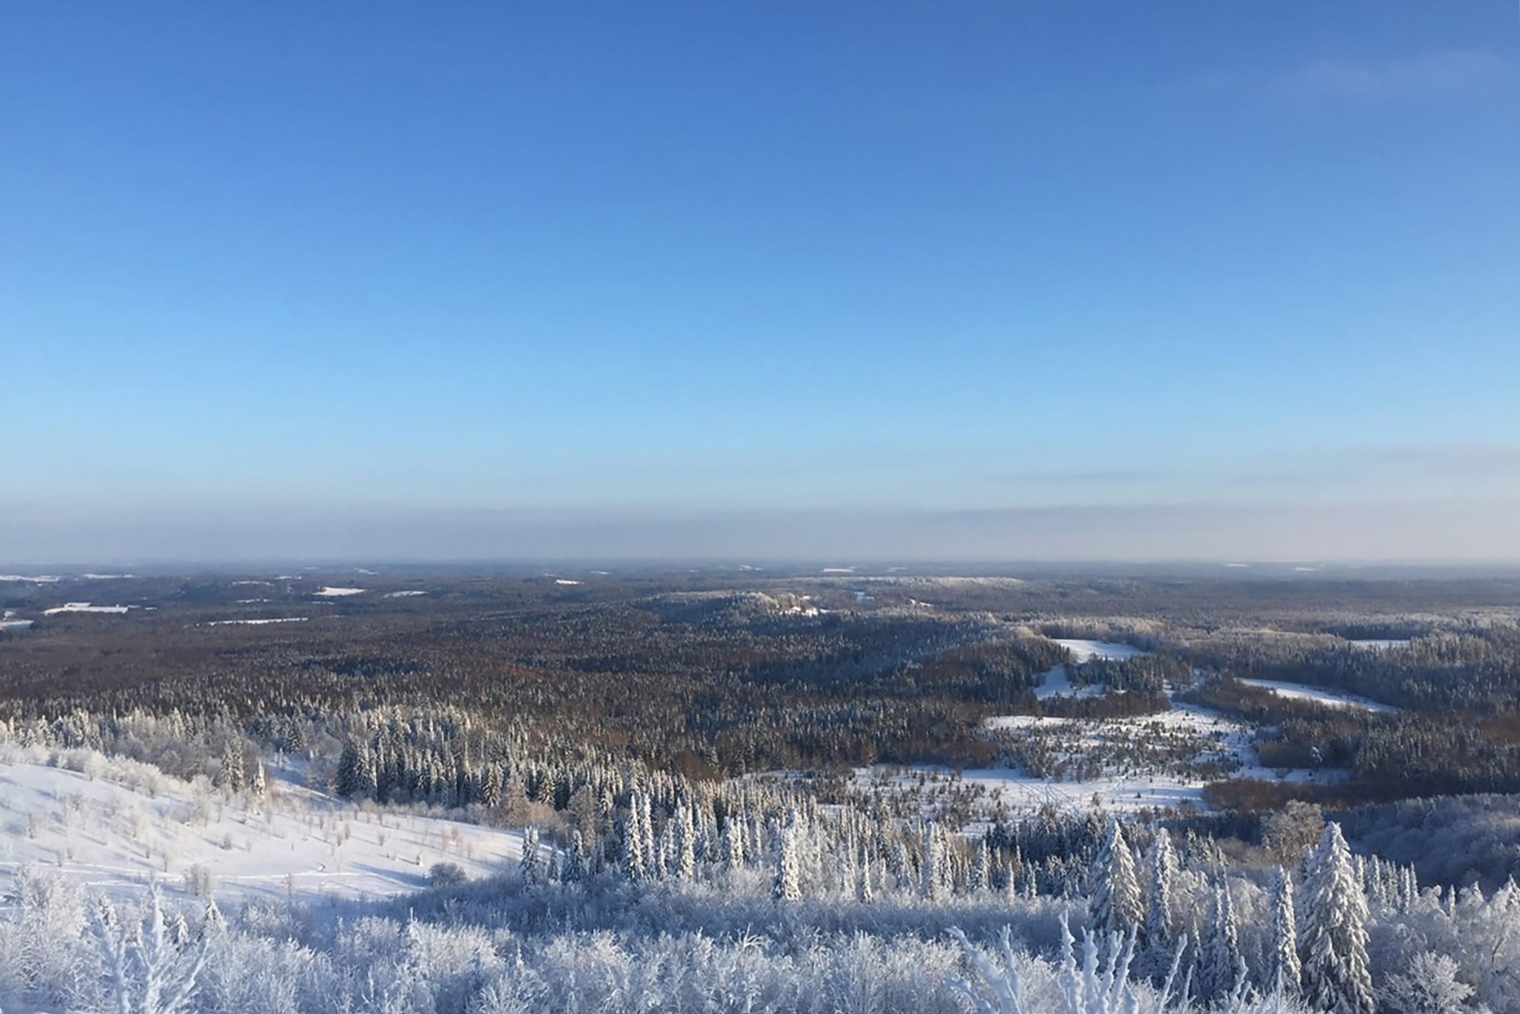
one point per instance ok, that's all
(1336, 977)
(788, 883)
(1221, 953)
(685, 859)
(1283, 970)
(529, 866)
(231, 775)
(1115, 903)
(354, 779)
(1158, 903)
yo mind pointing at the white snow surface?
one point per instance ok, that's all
(1380, 644)
(1086, 651)
(120, 837)
(1057, 682)
(15, 624)
(565, 580)
(83, 607)
(334, 593)
(258, 622)
(404, 594)
(1333, 698)
(1116, 790)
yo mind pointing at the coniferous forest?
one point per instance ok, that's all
(728, 791)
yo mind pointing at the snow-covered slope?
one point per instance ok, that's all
(116, 836)
(1333, 698)
(1057, 682)
(1086, 651)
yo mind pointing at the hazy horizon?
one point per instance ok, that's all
(1455, 534)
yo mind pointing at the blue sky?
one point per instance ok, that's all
(280, 271)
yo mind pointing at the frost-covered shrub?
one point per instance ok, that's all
(43, 953)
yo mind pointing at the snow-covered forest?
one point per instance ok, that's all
(754, 802)
(649, 892)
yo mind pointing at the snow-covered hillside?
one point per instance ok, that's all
(1057, 682)
(1085, 651)
(116, 825)
(1333, 698)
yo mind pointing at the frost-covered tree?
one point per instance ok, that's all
(788, 881)
(355, 778)
(1158, 901)
(574, 866)
(1115, 903)
(1336, 976)
(936, 870)
(1429, 985)
(1283, 974)
(632, 865)
(231, 774)
(529, 866)
(1220, 972)
(152, 968)
(259, 783)
(733, 844)
(981, 868)
(685, 858)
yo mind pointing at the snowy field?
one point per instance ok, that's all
(335, 593)
(1057, 682)
(1119, 764)
(1333, 698)
(120, 835)
(1086, 651)
(84, 607)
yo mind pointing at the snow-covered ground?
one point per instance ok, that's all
(1057, 682)
(409, 593)
(1086, 651)
(258, 622)
(1149, 762)
(334, 593)
(1333, 698)
(118, 837)
(1380, 644)
(83, 607)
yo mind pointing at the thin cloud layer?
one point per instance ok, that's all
(1442, 75)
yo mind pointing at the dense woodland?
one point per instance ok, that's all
(679, 750)
(718, 676)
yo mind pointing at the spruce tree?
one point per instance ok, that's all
(1158, 906)
(1115, 903)
(1221, 954)
(788, 883)
(230, 775)
(685, 860)
(1336, 977)
(528, 865)
(1283, 973)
